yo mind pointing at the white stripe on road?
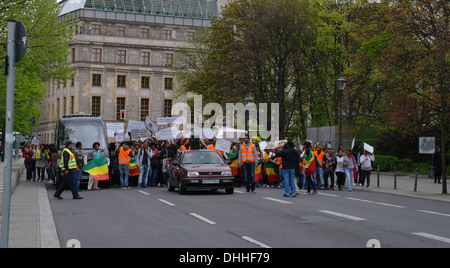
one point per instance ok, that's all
(434, 237)
(253, 241)
(432, 212)
(373, 202)
(277, 200)
(333, 195)
(342, 215)
(202, 218)
(166, 202)
(142, 192)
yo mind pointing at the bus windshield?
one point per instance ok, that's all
(86, 134)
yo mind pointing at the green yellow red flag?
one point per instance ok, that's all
(98, 168)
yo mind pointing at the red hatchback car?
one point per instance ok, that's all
(200, 170)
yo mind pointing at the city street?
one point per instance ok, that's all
(155, 217)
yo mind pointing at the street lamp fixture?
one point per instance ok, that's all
(340, 85)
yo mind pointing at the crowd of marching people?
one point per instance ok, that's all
(278, 165)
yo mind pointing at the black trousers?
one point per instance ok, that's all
(68, 181)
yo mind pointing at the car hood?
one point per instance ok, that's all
(206, 167)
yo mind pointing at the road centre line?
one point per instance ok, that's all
(166, 202)
(342, 215)
(277, 200)
(432, 212)
(373, 202)
(202, 218)
(253, 241)
(434, 237)
(143, 192)
(333, 195)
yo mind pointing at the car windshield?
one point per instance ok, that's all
(87, 134)
(202, 157)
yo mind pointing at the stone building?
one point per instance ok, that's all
(123, 52)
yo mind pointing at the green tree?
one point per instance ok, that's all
(47, 56)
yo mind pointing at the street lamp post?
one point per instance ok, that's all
(340, 84)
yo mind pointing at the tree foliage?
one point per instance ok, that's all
(47, 55)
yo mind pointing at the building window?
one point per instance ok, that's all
(120, 107)
(144, 108)
(96, 80)
(73, 54)
(189, 36)
(167, 108)
(145, 82)
(121, 81)
(96, 55)
(145, 58)
(57, 108)
(144, 33)
(120, 31)
(96, 29)
(64, 105)
(72, 104)
(167, 34)
(168, 83)
(121, 56)
(96, 106)
(168, 59)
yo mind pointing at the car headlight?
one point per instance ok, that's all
(227, 174)
(193, 174)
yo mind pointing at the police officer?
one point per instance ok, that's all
(70, 169)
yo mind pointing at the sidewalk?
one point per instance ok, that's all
(426, 188)
(32, 224)
(31, 218)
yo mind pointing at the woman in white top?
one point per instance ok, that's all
(366, 167)
(340, 172)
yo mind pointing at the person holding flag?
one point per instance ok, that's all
(309, 167)
(99, 174)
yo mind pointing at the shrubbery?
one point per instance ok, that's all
(407, 165)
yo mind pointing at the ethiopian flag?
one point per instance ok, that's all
(258, 171)
(271, 171)
(309, 164)
(98, 168)
(234, 164)
(134, 169)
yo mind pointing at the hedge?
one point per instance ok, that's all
(407, 165)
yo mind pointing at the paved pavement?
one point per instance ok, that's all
(32, 224)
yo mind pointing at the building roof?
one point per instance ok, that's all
(202, 9)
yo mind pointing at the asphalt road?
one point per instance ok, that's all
(157, 218)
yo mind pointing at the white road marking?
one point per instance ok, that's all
(373, 202)
(342, 215)
(167, 202)
(432, 212)
(434, 237)
(142, 192)
(277, 200)
(239, 192)
(333, 195)
(202, 218)
(253, 241)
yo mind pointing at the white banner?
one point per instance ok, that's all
(168, 120)
(150, 125)
(112, 128)
(223, 145)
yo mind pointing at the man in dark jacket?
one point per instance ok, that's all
(437, 164)
(290, 158)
